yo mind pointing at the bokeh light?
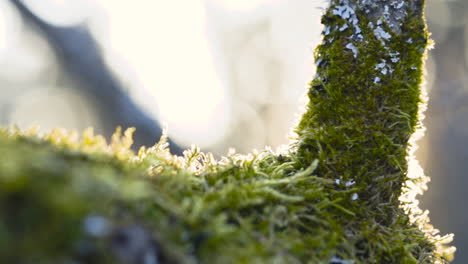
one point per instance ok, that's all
(239, 4)
(165, 44)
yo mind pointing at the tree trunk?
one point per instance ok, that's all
(364, 99)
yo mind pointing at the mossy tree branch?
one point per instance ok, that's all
(364, 100)
(333, 198)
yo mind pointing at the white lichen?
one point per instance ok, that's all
(336, 260)
(380, 65)
(318, 62)
(390, 12)
(344, 27)
(381, 34)
(394, 56)
(386, 13)
(350, 183)
(348, 13)
(344, 12)
(357, 29)
(353, 49)
(383, 67)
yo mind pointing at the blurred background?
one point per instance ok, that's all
(219, 73)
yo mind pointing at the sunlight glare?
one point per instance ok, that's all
(239, 4)
(166, 45)
(10, 27)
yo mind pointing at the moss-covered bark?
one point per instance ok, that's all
(332, 198)
(364, 100)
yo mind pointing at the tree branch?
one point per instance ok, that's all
(364, 99)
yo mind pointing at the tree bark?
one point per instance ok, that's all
(364, 99)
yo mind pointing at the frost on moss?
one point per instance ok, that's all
(341, 194)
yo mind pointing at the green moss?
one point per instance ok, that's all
(332, 198)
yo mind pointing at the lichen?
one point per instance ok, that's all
(341, 193)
